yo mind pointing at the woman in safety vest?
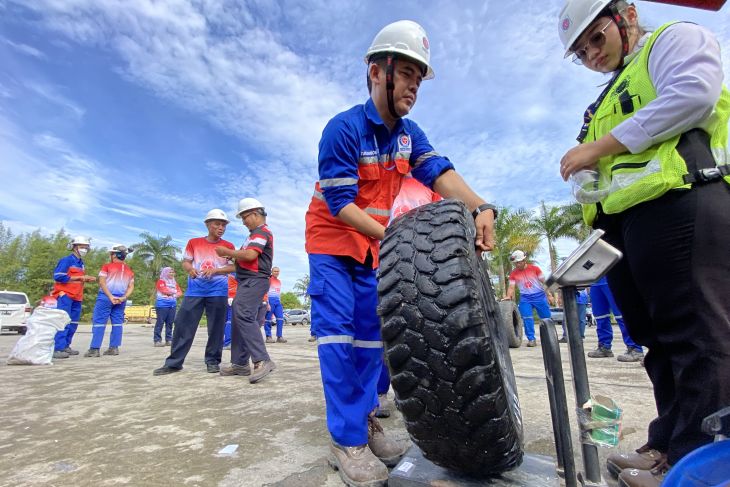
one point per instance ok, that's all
(657, 137)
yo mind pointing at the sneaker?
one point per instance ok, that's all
(357, 465)
(213, 368)
(632, 477)
(601, 352)
(281, 340)
(235, 369)
(532, 343)
(92, 352)
(261, 370)
(312, 339)
(631, 355)
(563, 340)
(164, 370)
(645, 458)
(112, 351)
(71, 351)
(389, 451)
(269, 340)
(159, 344)
(168, 343)
(60, 354)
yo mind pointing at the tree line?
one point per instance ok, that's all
(27, 260)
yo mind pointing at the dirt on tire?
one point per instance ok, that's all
(445, 344)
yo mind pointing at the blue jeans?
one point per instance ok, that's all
(527, 302)
(165, 316)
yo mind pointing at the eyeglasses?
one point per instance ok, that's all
(597, 40)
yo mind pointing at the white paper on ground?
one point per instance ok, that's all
(228, 450)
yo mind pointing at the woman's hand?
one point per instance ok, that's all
(583, 156)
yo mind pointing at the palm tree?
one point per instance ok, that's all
(156, 252)
(512, 231)
(554, 222)
(300, 288)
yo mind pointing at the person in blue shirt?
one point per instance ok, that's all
(581, 300)
(603, 305)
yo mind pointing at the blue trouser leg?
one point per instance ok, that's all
(73, 326)
(216, 308)
(278, 312)
(168, 323)
(527, 319)
(582, 311)
(163, 319)
(99, 318)
(619, 320)
(267, 324)
(383, 380)
(602, 313)
(344, 302)
(117, 319)
(227, 329)
(63, 303)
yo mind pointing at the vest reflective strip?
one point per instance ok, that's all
(348, 339)
(329, 183)
(118, 324)
(377, 212)
(98, 325)
(422, 158)
(602, 316)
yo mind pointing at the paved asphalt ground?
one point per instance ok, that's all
(108, 421)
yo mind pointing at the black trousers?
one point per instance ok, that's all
(673, 287)
(187, 322)
(247, 343)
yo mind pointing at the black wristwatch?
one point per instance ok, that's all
(484, 207)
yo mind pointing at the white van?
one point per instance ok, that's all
(14, 311)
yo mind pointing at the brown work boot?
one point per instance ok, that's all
(389, 451)
(261, 369)
(281, 340)
(644, 458)
(632, 477)
(531, 343)
(269, 340)
(358, 466)
(235, 369)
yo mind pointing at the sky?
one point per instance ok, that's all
(124, 116)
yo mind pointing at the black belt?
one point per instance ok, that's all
(694, 147)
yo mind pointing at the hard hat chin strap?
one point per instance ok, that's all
(390, 84)
(623, 31)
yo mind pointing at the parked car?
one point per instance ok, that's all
(14, 311)
(557, 316)
(295, 316)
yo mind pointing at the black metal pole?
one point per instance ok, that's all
(580, 378)
(558, 401)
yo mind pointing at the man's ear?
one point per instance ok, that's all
(631, 15)
(374, 71)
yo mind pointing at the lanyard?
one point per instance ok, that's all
(591, 110)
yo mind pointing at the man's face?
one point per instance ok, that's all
(275, 272)
(249, 219)
(216, 228)
(521, 264)
(407, 79)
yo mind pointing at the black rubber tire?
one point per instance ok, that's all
(305, 322)
(445, 344)
(514, 328)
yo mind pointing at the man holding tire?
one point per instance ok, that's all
(364, 154)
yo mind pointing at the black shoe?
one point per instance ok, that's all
(164, 370)
(213, 368)
(563, 340)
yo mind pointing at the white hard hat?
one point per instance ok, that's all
(247, 204)
(216, 214)
(119, 248)
(575, 17)
(404, 38)
(78, 240)
(517, 256)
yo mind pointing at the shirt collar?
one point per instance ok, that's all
(372, 113)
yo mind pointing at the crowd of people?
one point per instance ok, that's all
(657, 136)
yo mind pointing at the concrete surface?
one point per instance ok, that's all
(108, 421)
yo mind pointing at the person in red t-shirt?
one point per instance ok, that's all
(531, 283)
(207, 292)
(168, 290)
(276, 312)
(116, 284)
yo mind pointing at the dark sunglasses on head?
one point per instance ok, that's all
(597, 40)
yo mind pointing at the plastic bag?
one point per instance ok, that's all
(600, 420)
(36, 346)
